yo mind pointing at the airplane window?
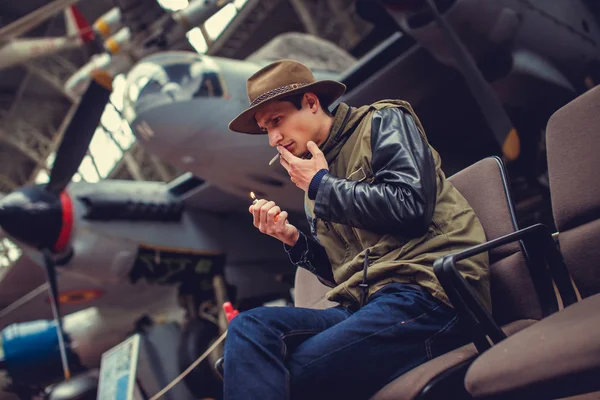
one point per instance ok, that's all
(168, 78)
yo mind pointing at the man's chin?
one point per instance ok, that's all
(303, 154)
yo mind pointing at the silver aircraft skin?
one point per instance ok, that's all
(178, 105)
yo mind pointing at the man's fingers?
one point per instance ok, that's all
(285, 164)
(256, 211)
(314, 149)
(272, 214)
(263, 215)
(289, 157)
(281, 221)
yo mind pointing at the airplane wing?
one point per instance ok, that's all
(196, 194)
(78, 292)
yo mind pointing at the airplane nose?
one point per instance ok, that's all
(38, 218)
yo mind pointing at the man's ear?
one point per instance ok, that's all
(312, 101)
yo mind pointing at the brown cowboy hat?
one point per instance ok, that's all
(281, 79)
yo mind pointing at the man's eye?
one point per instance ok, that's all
(276, 120)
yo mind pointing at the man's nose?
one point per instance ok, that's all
(274, 137)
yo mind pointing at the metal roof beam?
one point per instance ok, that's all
(53, 80)
(27, 143)
(7, 184)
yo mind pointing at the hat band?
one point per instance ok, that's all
(274, 92)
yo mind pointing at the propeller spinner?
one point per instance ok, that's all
(41, 216)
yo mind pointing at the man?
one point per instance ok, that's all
(381, 212)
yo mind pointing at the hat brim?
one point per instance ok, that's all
(328, 91)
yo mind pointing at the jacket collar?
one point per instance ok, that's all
(338, 134)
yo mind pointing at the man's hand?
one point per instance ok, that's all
(302, 171)
(270, 220)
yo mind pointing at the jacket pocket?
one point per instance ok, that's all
(338, 249)
(361, 174)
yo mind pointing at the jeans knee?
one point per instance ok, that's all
(245, 323)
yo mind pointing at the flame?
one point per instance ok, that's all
(252, 196)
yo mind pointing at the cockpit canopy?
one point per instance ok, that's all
(169, 77)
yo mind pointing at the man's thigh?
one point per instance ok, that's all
(400, 328)
(292, 325)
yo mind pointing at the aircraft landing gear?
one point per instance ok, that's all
(203, 381)
(206, 321)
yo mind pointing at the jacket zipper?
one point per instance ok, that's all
(364, 286)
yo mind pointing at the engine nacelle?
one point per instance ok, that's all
(118, 41)
(198, 12)
(109, 23)
(33, 346)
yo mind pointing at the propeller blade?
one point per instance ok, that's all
(504, 132)
(53, 289)
(77, 137)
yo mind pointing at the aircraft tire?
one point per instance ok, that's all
(202, 381)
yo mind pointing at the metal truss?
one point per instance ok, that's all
(241, 29)
(28, 125)
(333, 20)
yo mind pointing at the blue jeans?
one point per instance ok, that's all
(299, 353)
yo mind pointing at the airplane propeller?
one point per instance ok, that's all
(77, 137)
(55, 305)
(41, 216)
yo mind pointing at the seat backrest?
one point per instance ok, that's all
(484, 185)
(309, 292)
(573, 148)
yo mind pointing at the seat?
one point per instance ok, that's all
(518, 300)
(515, 302)
(560, 356)
(309, 292)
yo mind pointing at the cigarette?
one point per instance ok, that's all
(273, 159)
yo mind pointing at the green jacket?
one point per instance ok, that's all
(398, 204)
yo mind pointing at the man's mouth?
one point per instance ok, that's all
(287, 146)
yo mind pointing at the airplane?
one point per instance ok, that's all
(176, 104)
(15, 50)
(134, 29)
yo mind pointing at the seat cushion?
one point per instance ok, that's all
(580, 247)
(409, 385)
(545, 358)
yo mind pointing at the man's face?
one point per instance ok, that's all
(287, 126)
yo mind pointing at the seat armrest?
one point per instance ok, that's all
(545, 262)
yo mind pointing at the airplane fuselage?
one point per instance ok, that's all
(191, 131)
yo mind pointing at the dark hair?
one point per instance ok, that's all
(296, 100)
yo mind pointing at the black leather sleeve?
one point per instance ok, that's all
(307, 253)
(402, 197)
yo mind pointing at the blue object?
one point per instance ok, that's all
(337, 352)
(32, 346)
(313, 187)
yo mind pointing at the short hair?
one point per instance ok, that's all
(296, 100)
